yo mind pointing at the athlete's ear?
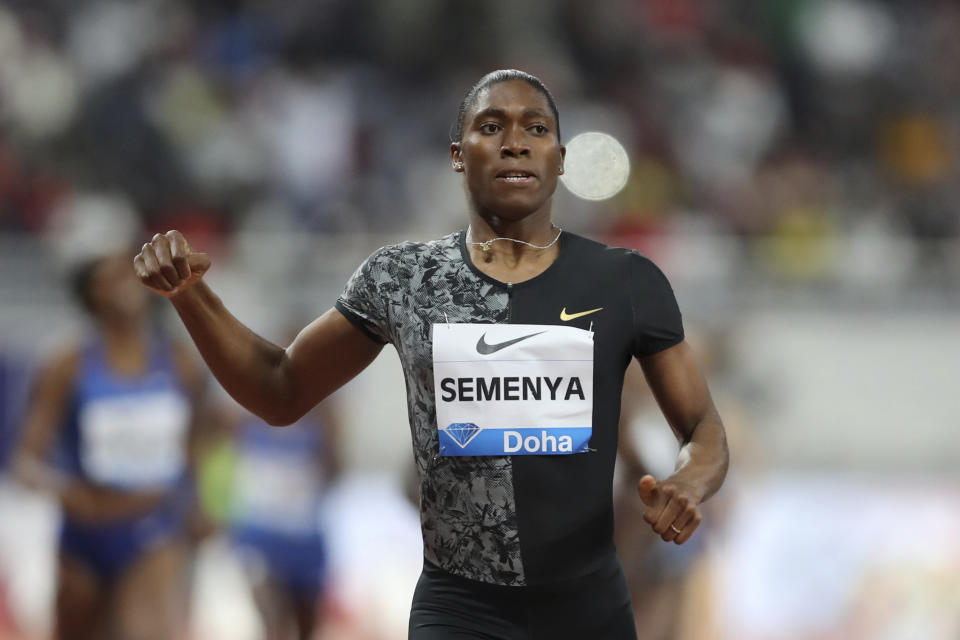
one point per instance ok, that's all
(456, 157)
(563, 156)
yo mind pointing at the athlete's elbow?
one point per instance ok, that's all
(268, 407)
(284, 414)
(277, 404)
(276, 420)
(280, 417)
(289, 400)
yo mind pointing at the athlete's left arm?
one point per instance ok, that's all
(683, 396)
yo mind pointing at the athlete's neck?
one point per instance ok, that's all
(537, 228)
(126, 349)
(512, 251)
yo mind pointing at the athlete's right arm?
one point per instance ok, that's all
(48, 404)
(279, 385)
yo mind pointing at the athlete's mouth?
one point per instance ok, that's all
(516, 176)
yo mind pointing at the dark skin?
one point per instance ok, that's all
(510, 130)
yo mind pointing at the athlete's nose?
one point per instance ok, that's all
(514, 151)
(513, 145)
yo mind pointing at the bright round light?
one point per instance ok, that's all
(596, 166)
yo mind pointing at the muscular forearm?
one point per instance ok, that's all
(279, 385)
(703, 460)
(248, 367)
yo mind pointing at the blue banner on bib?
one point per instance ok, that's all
(468, 439)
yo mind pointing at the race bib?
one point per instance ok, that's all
(513, 389)
(134, 441)
(278, 493)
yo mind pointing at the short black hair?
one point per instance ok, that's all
(496, 77)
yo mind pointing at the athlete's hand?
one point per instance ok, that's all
(672, 509)
(168, 266)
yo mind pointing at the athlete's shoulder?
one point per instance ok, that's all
(396, 269)
(415, 252)
(605, 255)
(61, 365)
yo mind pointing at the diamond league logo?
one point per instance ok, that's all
(462, 432)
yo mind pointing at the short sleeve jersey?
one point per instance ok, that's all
(515, 520)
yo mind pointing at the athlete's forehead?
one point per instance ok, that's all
(511, 98)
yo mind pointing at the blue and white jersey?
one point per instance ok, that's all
(279, 478)
(128, 432)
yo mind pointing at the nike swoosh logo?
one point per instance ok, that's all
(573, 316)
(486, 349)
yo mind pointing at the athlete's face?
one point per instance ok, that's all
(115, 293)
(510, 153)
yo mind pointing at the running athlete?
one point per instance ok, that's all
(280, 542)
(107, 431)
(514, 337)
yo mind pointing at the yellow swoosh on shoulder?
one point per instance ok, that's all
(573, 316)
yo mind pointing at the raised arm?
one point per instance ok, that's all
(683, 396)
(277, 384)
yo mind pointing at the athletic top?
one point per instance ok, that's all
(515, 519)
(274, 463)
(127, 432)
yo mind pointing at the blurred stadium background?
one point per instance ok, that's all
(794, 172)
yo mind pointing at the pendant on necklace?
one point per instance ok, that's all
(487, 254)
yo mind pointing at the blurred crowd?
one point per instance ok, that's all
(796, 127)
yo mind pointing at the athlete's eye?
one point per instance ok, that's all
(489, 127)
(539, 129)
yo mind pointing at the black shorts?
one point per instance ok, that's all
(593, 607)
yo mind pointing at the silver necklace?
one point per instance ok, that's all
(485, 245)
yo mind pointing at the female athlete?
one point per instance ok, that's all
(118, 407)
(514, 336)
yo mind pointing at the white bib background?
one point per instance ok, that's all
(513, 389)
(135, 441)
(277, 493)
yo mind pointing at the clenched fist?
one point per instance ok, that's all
(168, 265)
